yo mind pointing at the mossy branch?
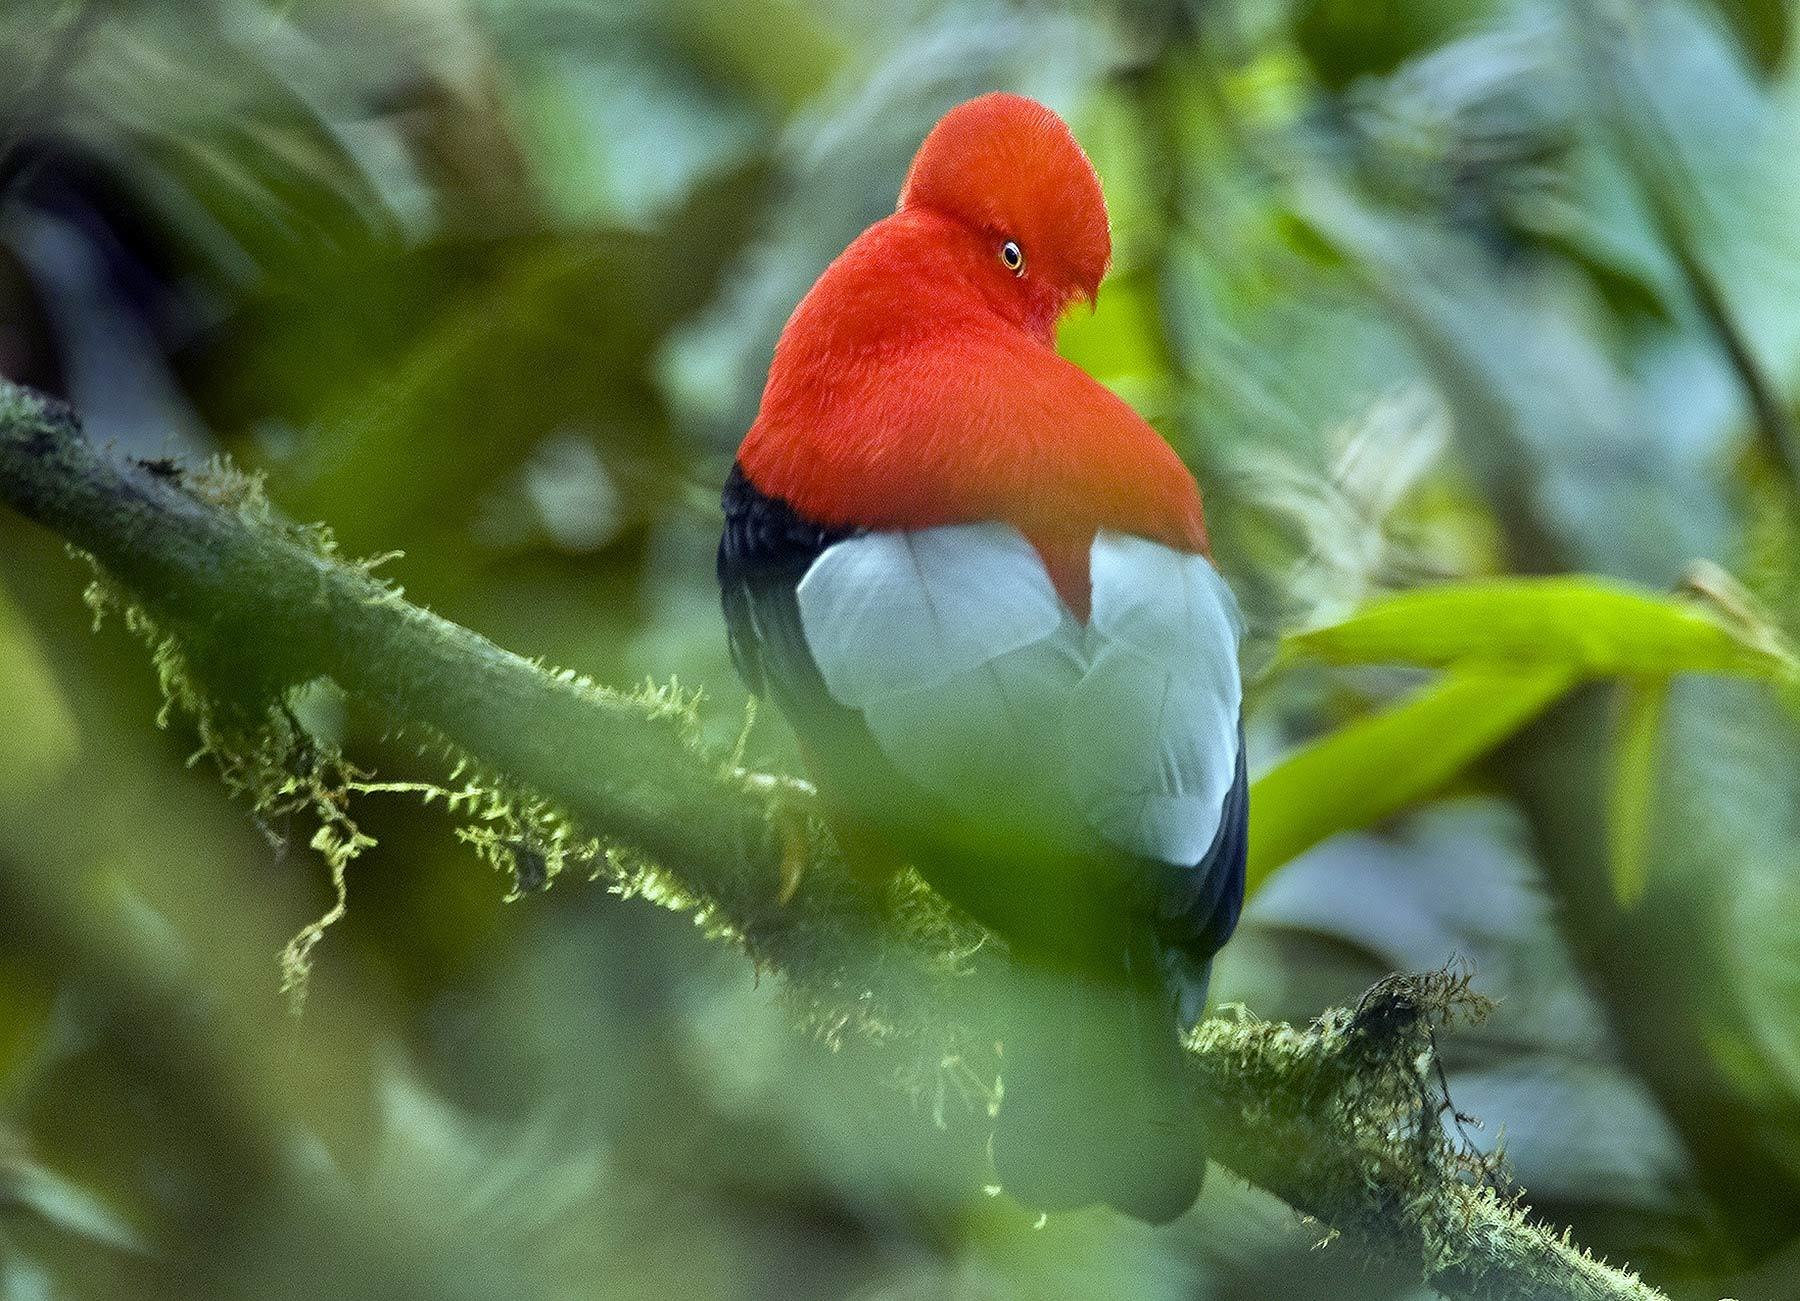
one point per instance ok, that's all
(1344, 1119)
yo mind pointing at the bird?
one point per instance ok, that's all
(979, 587)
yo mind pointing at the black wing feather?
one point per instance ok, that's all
(1200, 904)
(764, 552)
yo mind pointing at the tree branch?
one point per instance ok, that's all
(1343, 1119)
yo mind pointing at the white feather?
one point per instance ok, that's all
(1154, 723)
(988, 739)
(890, 612)
(1171, 605)
(1152, 754)
(977, 683)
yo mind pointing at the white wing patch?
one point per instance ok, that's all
(978, 684)
(891, 612)
(1154, 723)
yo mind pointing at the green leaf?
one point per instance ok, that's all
(1380, 764)
(27, 996)
(1592, 627)
(64, 1204)
(1634, 786)
(41, 738)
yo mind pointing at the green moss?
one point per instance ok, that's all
(290, 776)
(261, 753)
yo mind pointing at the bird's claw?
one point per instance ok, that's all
(792, 826)
(790, 797)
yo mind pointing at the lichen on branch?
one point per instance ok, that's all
(1346, 1119)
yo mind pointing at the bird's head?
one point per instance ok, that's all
(1007, 171)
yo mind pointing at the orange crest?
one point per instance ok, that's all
(1009, 167)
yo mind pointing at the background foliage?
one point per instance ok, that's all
(1425, 292)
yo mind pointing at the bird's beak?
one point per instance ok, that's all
(1083, 294)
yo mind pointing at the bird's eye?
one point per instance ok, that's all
(1012, 257)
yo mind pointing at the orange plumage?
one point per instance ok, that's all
(917, 383)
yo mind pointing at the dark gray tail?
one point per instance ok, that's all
(1095, 1104)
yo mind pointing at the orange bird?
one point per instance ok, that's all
(978, 586)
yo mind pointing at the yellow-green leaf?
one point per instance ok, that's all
(1591, 626)
(1380, 764)
(41, 740)
(26, 998)
(1634, 786)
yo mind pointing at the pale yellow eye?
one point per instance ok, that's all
(1012, 257)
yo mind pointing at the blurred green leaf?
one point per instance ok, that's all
(1120, 343)
(41, 740)
(1380, 764)
(68, 1206)
(780, 52)
(1634, 786)
(1347, 39)
(26, 999)
(1589, 626)
(623, 141)
(1763, 28)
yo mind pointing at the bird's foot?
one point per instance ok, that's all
(789, 800)
(791, 823)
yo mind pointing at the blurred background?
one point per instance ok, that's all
(1421, 289)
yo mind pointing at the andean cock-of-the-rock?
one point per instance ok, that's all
(978, 586)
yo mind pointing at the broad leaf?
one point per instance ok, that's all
(1380, 764)
(41, 739)
(1589, 626)
(1634, 788)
